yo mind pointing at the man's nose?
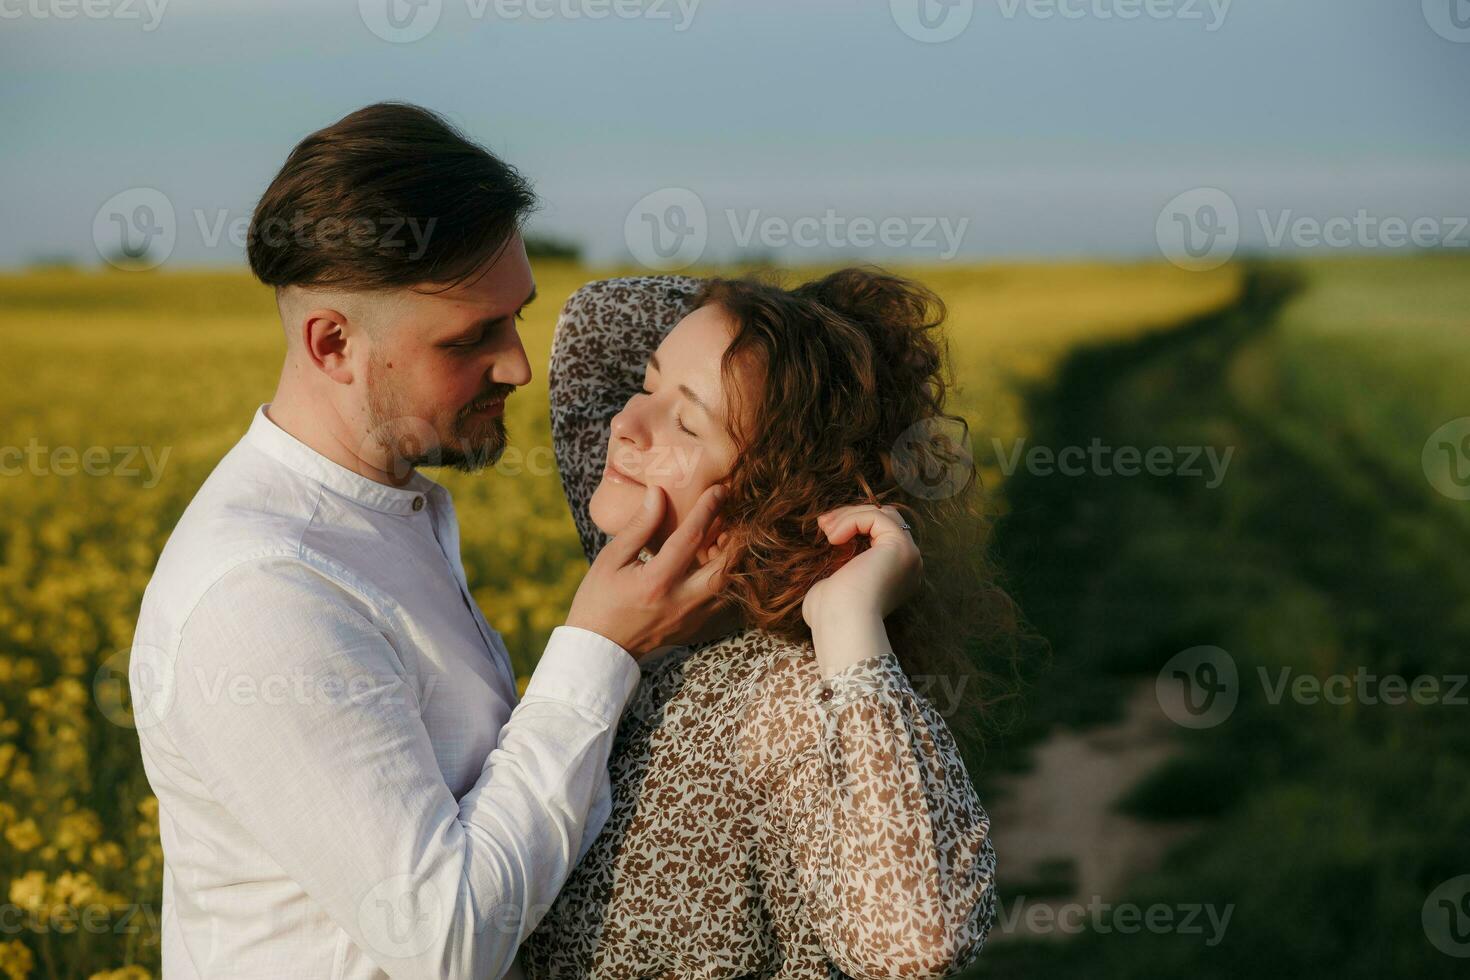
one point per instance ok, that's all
(512, 366)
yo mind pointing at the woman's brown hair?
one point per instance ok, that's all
(851, 407)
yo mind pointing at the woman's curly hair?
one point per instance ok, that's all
(850, 408)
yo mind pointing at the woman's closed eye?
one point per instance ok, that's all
(678, 420)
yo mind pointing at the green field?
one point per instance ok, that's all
(1325, 549)
(1328, 821)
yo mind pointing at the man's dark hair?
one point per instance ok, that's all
(391, 195)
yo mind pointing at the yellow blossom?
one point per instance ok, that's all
(23, 836)
(16, 960)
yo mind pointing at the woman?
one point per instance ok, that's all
(784, 804)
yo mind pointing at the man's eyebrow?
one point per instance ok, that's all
(491, 321)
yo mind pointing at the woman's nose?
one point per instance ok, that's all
(628, 426)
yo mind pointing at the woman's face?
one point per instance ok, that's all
(675, 434)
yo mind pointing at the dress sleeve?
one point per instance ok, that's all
(602, 342)
(891, 845)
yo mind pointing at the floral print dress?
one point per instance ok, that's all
(765, 822)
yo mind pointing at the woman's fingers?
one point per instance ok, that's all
(842, 524)
(624, 546)
(678, 552)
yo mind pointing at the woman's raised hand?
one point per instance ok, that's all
(872, 583)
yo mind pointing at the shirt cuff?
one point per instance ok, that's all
(585, 669)
(853, 683)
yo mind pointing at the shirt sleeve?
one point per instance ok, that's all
(335, 775)
(602, 342)
(892, 847)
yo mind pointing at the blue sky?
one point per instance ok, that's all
(1041, 135)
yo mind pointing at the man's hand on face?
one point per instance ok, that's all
(673, 598)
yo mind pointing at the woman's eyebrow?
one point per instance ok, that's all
(689, 394)
(687, 391)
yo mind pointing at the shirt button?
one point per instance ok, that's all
(418, 503)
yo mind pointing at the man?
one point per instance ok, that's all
(347, 785)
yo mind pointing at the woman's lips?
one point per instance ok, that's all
(618, 476)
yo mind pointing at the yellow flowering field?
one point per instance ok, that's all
(123, 391)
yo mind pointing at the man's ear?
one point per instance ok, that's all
(326, 334)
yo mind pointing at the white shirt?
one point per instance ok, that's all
(347, 786)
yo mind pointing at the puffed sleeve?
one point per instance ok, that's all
(891, 844)
(602, 342)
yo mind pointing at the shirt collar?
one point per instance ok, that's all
(285, 448)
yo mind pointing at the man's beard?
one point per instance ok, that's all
(407, 441)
